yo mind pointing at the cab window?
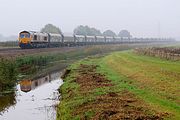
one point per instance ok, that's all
(22, 36)
(27, 35)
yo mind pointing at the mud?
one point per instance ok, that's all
(118, 106)
(111, 106)
(88, 79)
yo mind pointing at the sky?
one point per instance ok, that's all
(143, 18)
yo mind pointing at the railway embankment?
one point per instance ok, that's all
(121, 85)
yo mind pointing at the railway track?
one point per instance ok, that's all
(15, 52)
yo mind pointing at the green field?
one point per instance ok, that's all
(153, 81)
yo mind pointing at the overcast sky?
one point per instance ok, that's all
(143, 18)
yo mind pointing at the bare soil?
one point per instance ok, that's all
(110, 106)
(88, 79)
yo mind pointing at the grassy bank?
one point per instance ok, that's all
(122, 85)
(7, 75)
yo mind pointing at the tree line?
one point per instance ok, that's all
(86, 30)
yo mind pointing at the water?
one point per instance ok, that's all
(34, 99)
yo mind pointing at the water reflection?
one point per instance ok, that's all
(36, 98)
(28, 85)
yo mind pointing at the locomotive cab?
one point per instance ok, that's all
(25, 39)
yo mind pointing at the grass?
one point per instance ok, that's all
(8, 75)
(160, 76)
(153, 80)
(145, 77)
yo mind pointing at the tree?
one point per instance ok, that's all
(95, 32)
(49, 28)
(86, 30)
(81, 30)
(124, 33)
(109, 33)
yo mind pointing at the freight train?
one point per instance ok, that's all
(31, 39)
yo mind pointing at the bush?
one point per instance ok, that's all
(8, 74)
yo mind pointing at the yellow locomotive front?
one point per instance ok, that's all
(25, 85)
(25, 39)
